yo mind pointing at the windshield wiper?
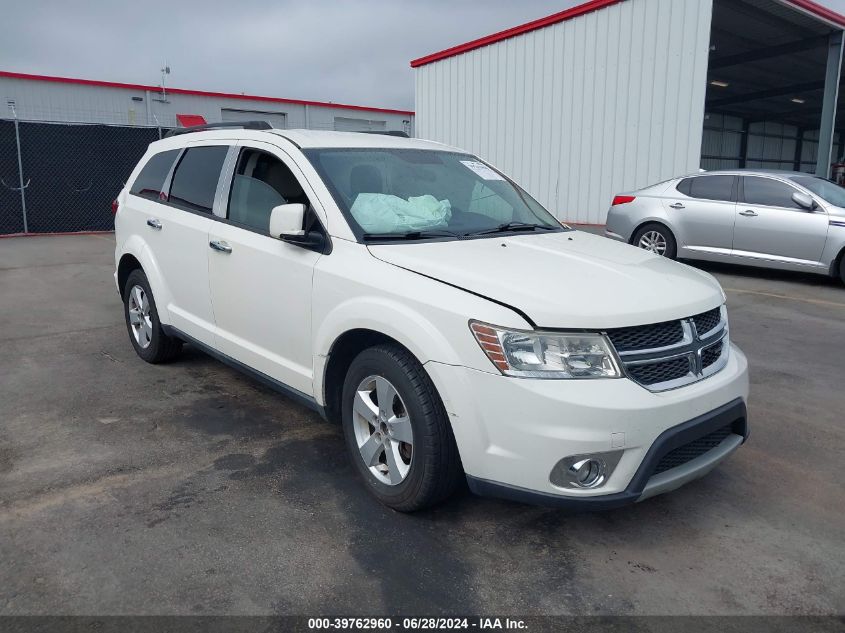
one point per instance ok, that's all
(513, 226)
(411, 235)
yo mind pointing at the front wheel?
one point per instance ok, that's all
(656, 239)
(397, 431)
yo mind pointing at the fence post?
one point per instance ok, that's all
(20, 172)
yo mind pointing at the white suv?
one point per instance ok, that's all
(418, 296)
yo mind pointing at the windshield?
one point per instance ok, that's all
(418, 194)
(825, 189)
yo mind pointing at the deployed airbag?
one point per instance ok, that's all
(384, 213)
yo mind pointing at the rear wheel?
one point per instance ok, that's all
(657, 239)
(397, 431)
(142, 322)
(842, 268)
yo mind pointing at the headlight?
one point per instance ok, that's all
(547, 354)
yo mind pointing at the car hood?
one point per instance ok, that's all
(564, 280)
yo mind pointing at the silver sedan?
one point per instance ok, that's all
(787, 220)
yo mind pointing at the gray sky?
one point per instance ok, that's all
(343, 51)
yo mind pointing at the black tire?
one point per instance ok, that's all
(842, 268)
(161, 347)
(435, 467)
(661, 229)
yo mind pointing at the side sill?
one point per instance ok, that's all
(272, 383)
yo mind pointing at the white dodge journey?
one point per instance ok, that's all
(444, 318)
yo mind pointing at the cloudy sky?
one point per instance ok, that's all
(353, 51)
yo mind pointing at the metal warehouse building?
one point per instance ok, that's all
(63, 99)
(614, 95)
(68, 145)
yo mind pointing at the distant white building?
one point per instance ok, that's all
(614, 95)
(64, 99)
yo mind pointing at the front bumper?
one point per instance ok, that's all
(511, 432)
(643, 484)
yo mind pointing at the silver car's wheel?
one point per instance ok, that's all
(139, 317)
(383, 430)
(654, 242)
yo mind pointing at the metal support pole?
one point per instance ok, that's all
(799, 150)
(743, 144)
(831, 96)
(20, 172)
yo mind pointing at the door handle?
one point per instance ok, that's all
(677, 205)
(749, 213)
(154, 223)
(220, 246)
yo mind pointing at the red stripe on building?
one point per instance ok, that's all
(588, 7)
(200, 93)
(816, 9)
(568, 14)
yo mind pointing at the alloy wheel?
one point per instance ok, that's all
(139, 317)
(654, 242)
(383, 430)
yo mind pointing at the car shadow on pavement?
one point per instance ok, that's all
(463, 556)
(766, 274)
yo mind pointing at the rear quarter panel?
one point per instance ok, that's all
(625, 219)
(129, 231)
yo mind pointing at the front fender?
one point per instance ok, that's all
(136, 247)
(388, 317)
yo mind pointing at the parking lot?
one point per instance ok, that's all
(187, 488)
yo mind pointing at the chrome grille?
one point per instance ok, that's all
(706, 321)
(710, 355)
(671, 354)
(629, 339)
(654, 373)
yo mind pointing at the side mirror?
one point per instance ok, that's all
(803, 200)
(287, 220)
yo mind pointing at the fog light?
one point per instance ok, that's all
(585, 471)
(588, 472)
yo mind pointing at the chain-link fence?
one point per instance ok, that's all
(11, 210)
(68, 175)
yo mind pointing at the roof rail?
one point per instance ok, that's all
(245, 125)
(387, 133)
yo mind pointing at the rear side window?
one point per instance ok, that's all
(768, 192)
(150, 182)
(710, 188)
(196, 177)
(685, 186)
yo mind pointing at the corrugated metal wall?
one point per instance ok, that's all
(51, 101)
(581, 110)
(770, 145)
